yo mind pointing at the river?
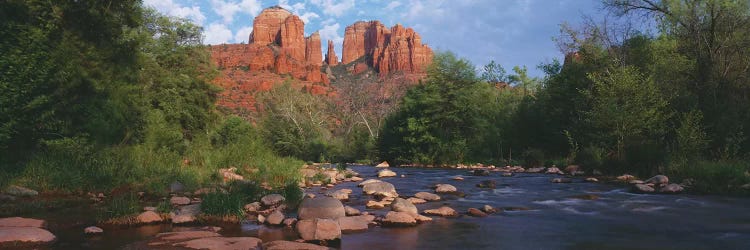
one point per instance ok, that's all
(545, 216)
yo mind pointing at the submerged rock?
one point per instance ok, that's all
(179, 201)
(561, 180)
(427, 196)
(671, 189)
(442, 211)
(386, 173)
(643, 188)
(487, 184)
(93, 230)
(458, 178)
(445, 188)
(480, 172)
(592, 179)
(222, 243)
(489, 209)
(476, 212)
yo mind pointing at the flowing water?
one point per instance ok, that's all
(539, 215)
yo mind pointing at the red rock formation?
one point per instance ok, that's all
(267, 24)
(292, 38)
(397, 49)
(313, 53)
(404, 52)
(331, 58)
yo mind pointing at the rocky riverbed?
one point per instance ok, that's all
(415, 208)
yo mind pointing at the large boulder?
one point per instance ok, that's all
(321, 208)
(386, 173)
(318, 229)
(442, 211)
(286, 245)
(401, 205)
(18, 236)
(444, 188)
(352, 224)
(382, 189)
(272, 200)
(427, 196)
(394, 218)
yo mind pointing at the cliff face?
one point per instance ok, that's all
(386, 50)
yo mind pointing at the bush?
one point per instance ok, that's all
(533, 157)
(722, 177)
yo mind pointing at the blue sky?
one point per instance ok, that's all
(510, 32)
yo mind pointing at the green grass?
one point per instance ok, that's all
(715, 177)
(121, 206)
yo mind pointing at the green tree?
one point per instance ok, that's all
(493, 72)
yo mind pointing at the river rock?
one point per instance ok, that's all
(381, 189)
(222, 243)
(386, 173)
(642, 188)
(186, 214)
(625, 177)
(507, 174)
(444, 188)
(179, 201)
(286, 245)
(20, 191)
(289, 222)
(321, 208)
(422, 218)
(442, 211)
(476, 212)
(353, 224)
(561, 180)
(355, 179)
(22, 222)
(487, 184)
(11, 236)
(592, 179)
(633, 182)
(93, 230)
(458, 178)
(229, 174)
(480, 172)
(340, 194)
(148, 217)
(489, 209)
(535, 170)
(375, 204)
(260, 219)
(181, 236)
(588, 197)
(350, 211)
(383, 165)
(658, 180)
(252, 207)
(362, 184)
(272, 200)
(318, 229)
(427, 196)
(554, 170)
(275, 218)
(671, 189)
(394, 218)
(415, 200)
(401, 205)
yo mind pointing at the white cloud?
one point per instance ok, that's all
(307, 16)
(228, 9)
(243, 34)
(217, 33)
(331, 32)
(334, 8)
(251, 7)
(393, 5)
(169, 7)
